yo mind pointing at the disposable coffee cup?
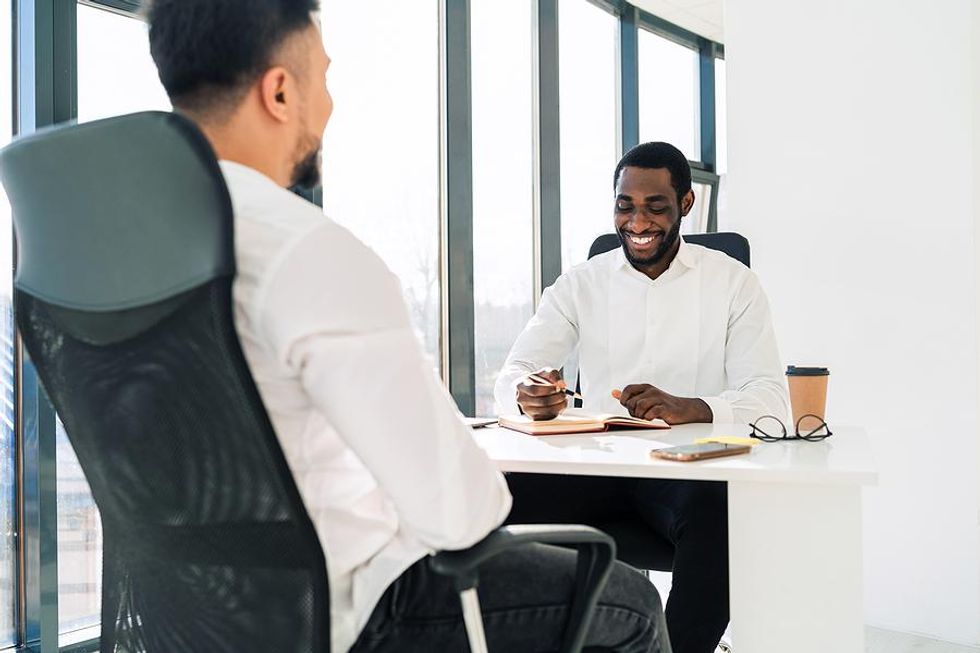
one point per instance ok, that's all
(807, 391)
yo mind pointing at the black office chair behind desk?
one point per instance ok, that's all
(637, 544)
(123, 298)
(735, 245)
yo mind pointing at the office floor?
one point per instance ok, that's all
(887, 641)
(876, 640)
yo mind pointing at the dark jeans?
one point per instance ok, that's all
(524, 597)
(693, 515)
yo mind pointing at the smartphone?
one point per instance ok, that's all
(479, 422)
(689, 452)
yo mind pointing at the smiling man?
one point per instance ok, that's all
(685, 333)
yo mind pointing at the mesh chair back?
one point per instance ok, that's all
(735, 245)
(123, 298)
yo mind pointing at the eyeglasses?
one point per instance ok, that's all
(770, 428)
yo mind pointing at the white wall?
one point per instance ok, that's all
(975, 74)
(976, 202)
(850, 169)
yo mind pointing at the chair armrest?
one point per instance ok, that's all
(596, 554)
(460, 563)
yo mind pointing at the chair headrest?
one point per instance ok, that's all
(117, 213)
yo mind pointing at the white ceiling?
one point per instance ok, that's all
(704, 17)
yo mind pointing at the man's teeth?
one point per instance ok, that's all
(641, 241)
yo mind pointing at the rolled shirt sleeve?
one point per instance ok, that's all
(753, 367)
(546, 341)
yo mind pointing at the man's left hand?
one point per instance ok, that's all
(647, 402)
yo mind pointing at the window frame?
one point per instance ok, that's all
(130, 8)
(45, 93)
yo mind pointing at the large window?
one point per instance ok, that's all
(503, 256)
(669, 94)
(587, 38)
(113, 54)
(7, 370)
(115, 72)
(381, 148)
(79, 544)
(383, 179)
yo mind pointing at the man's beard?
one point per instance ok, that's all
(306, 172)
(658, 254)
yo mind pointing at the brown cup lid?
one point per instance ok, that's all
(793, 370)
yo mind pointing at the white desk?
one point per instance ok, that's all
(794, 513)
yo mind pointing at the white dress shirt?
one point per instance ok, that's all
(702, 329)
(387, 470)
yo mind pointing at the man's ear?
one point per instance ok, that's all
(274, 93)
(687, 202)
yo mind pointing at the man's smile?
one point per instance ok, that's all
(643, 241)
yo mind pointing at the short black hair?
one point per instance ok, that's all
(207, 52)
(659, 155)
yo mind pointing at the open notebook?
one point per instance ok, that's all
(577, 421)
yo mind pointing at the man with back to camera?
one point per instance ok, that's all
(326, 335)
(684, 332)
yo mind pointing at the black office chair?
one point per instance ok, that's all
(735, 245)
(637, 544)
(123, 298)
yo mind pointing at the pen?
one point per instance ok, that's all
(559, 384)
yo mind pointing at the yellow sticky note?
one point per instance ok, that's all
(728, 439)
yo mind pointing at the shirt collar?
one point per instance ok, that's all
(686, 258)
(686, 255)
(241, 171)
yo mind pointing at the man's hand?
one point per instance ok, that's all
(647, 402)
(540, 401)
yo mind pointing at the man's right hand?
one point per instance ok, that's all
(540, 401)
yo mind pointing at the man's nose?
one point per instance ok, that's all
(638, 220)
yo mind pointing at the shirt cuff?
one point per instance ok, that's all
(721, 410)
(507, 403)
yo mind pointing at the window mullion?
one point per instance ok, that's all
(628, 80)
(457, 181)
(706, 61)
(547, 173)
(46, 91)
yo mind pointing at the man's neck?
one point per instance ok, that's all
(236, 141)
